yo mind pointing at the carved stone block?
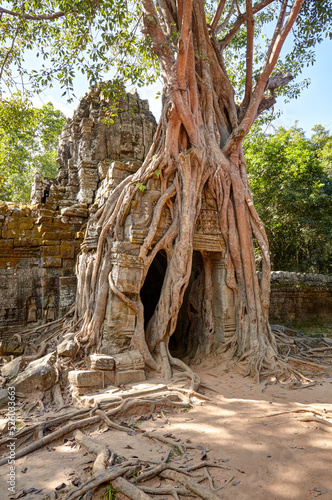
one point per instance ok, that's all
(127, 279)
(129, 376)
(102, 362)
(131, 360)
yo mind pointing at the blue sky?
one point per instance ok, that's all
(315, 103)
(312, 107)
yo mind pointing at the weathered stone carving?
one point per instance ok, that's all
(31, 310)
(39, 242)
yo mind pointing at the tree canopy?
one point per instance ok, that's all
(94, 37)
(29, 143)
(291, 186)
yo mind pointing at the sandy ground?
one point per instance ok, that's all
(265, 457)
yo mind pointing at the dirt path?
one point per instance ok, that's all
(265, 457)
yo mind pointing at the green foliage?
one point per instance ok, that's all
(110, 493)
(66, 37)
(141, 187)
(29, 140)
(69, 36)
(292, 188)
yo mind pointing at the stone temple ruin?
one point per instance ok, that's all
(40, 241)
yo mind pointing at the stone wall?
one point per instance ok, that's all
(39, 242)
(38, 248)
(300, 297)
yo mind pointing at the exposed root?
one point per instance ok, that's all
(166, 491)
(102, 452)
(322, 421)
(130, 490)
(297, 410)
(128, 467)
(191, 484)
(195, 379)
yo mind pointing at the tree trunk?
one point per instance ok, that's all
(197, 146)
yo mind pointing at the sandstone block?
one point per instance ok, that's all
(8, 347)
(67, 250)
(39, 375)
(50, 250)
(75, 211)
(22, 241)
(12, 368)
(10, 233)
(87, 380)
(127, 279)
(6, 245)
(129, 376)
(67, 348)
(68, 263)
(3, 425)
(102, 362)
(131, 360)
(27, 224)
(52, 262)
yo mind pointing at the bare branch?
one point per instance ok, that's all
(166, 16)
(160, 43)
(225, 22)
(31, 17)
(8, 53)
(241, 19)
(277, 30)
(266, 103)
(278, 40)
(268, 66)
(217, 15)
(250, 52)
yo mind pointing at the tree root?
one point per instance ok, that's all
(188, 482)
(195, 379)
(166, 491)
(45, 440)
(181, 446)
(298, 410)
(129, 489)
(319, 420)
(128, 467)
(102, 452)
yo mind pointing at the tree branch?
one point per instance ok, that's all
(250, 52)
(217, 14)
(30, 17)
(225, 22)
(184, 43)
(166, 14)
(270, 62)
(8, 53)
(160, 43)
(277, 30)
(241, 19)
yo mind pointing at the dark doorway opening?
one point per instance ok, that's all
(183, 343)
(150, 292)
